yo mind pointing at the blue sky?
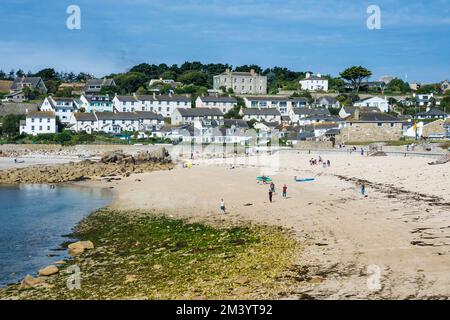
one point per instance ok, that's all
(322, 36)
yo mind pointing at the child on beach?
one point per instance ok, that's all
(270, 195)
(285, 191)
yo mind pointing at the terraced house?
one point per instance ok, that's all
(118, 122)
(95, 103)
(161, 104)
(282, 104)
(225, 104)
(261, 114)
(62, 107)
(193, 115)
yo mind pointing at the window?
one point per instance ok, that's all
(32, 128)
(48, 128)
(379, 124)
(392, 125)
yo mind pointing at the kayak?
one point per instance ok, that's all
(305, 180)
(264, 179)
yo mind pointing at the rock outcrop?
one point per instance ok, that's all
(111, 165)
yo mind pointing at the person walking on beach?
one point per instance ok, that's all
(270, 195)
(285, 191)
(363, 189)
(222, 206)
(272, 187)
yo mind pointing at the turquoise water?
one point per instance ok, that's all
(33, 222)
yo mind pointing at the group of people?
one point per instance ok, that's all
(272, 191)
(320, 161)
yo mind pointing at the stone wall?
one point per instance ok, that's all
(359, 132)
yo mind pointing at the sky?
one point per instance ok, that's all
(323, 36)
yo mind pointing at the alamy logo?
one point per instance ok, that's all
(74, 20)
(374, 279)
(74, 280)
(374, 19)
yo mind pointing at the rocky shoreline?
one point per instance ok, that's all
(112, 166)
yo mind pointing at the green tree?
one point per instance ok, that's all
(47, 74)
(398, 85)
(10, 124)
(197, 78)
(355, 75)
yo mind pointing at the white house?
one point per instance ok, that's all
(327, 102)
(126, 103)
(380, 103)
(299, 114)
(62, 107)
(192, 115)
(424, 100)
(95, 103)
(225, 104)
(163, 104)
(314, 83)
(282, 103)
(38, 122)
(261, 114)
(83, 122)
(431, 113)
(110, 122)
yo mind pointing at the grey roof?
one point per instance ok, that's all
(148, 115)
(328, 99)
(261, 112)
(200, 112)
(100, 82)
(82, 116)
(375, 117)
(314, 77)
(177, 98)
(34, 81)
(126, 98)
(218, 99)
(236, 123)
(41, 114)
(311, 112)
(117, 116)
(432, 112)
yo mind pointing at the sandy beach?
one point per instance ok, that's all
(397, 237)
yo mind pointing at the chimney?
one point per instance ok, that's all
(428, 109)
(252, 71)
(154, 95)
(319, 75)
(227, 70)
(308, 75)
(356, 115)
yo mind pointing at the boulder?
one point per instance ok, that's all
(48, 271)
(78, 247)
(30, 282)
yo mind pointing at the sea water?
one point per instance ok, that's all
(34, 222)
